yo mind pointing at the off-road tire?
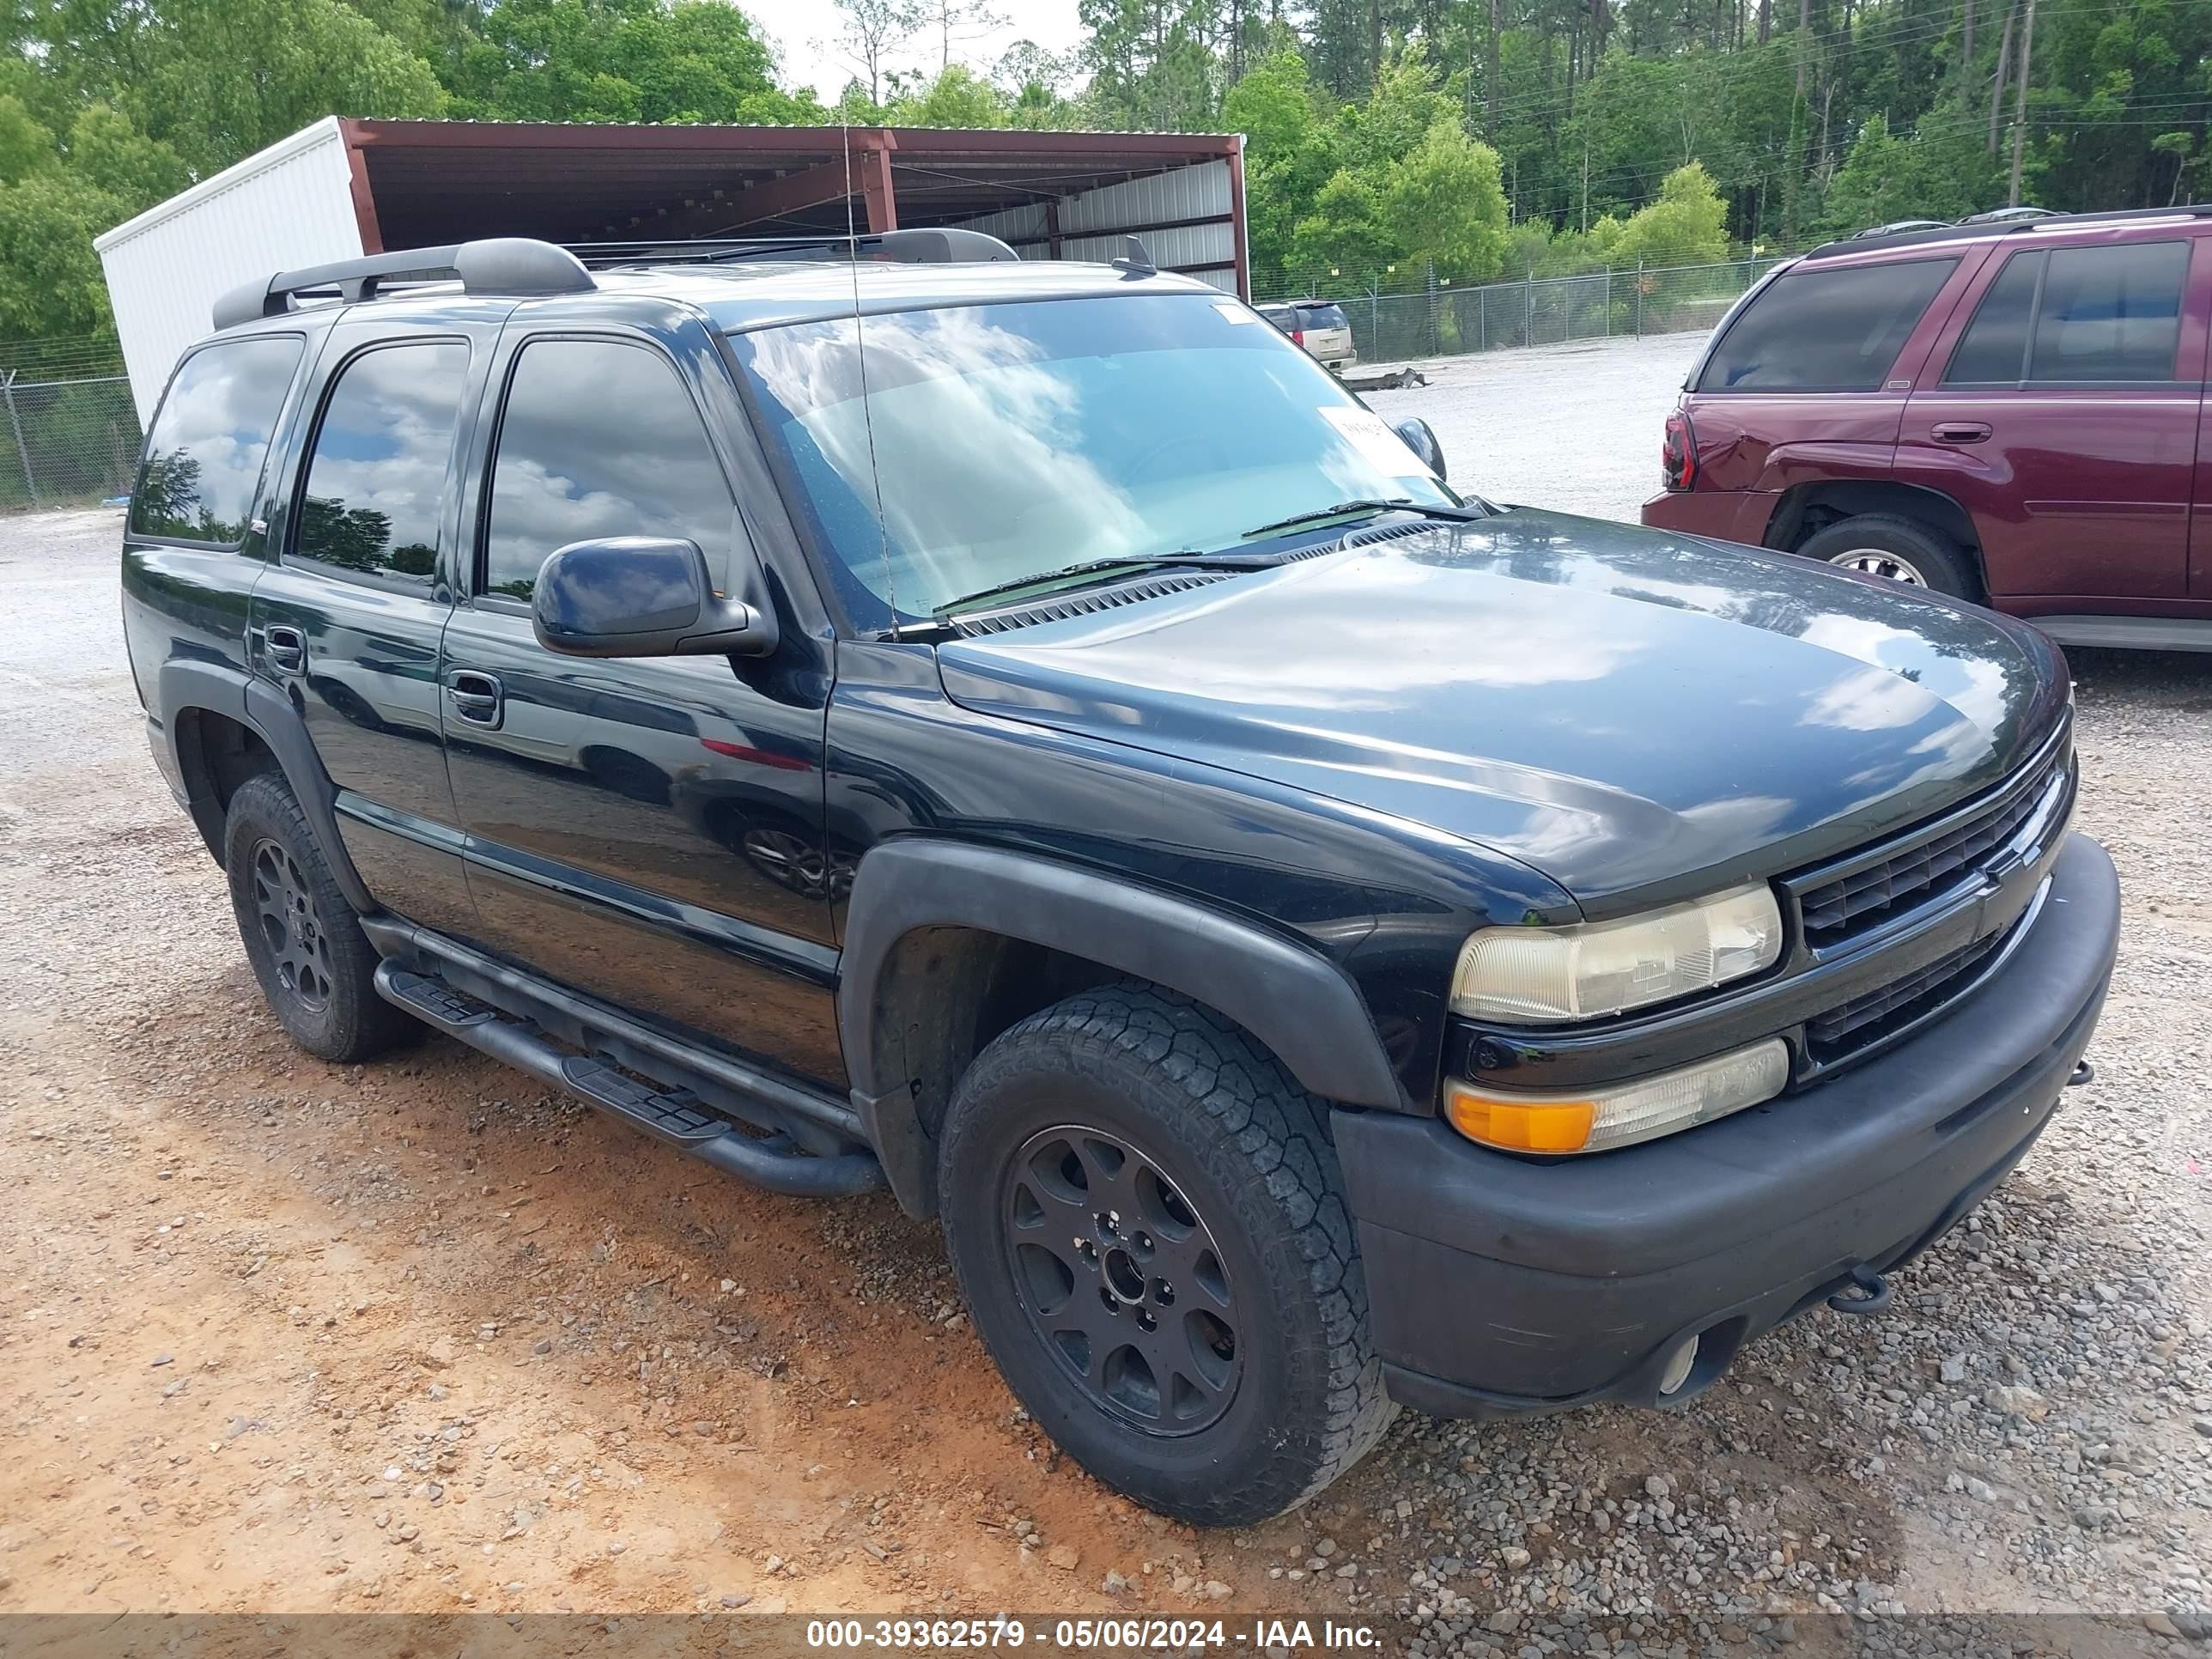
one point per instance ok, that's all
(1941, 565)
(275, 866)
(1248, 1153)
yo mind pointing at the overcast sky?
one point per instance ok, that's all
(805, 34)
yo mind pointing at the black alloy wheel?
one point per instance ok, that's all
(286, 910)
(1121, 1280)
(1148, 1221)
(309, 954)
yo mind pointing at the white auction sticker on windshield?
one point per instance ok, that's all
(1235, 313)
(1379, 446)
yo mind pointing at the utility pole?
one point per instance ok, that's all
(1490, 76)
(1997, 84)
(1966, 36)
(2019, 102)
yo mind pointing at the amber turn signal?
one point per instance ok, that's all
(1550, 1125)
(1619, 1114)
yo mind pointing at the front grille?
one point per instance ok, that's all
(1849, 1027)
(1840, 909)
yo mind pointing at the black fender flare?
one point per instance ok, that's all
(1301, 1006)
(184, 684)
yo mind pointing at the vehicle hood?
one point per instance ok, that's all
(1630, 712)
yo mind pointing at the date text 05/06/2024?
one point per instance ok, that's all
(1085, 1635)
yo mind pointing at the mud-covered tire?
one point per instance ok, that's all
(1899, 548)
(315, 966)
(1213, 1132)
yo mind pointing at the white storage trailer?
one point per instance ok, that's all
(342, 188)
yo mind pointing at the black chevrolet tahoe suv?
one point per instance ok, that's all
(883, 713)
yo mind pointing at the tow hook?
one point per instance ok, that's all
(1873, 1300)
(2083, 1073)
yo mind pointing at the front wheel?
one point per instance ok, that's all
(1148, 1221)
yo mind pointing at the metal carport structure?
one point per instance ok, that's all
(345, 187)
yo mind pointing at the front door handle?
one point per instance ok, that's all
(477, 697)
(1959, 432)
(286, 649)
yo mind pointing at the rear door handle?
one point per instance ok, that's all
(477, 697)
(1959, 432)
(286, 649)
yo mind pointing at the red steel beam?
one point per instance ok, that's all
(873, 163)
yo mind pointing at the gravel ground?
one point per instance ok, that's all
(278, 1335)
(1574, 427)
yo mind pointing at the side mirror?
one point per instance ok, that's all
(641, 596)
(1423, 443)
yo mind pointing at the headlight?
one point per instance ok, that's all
(1597, 1119)
(1530, 975)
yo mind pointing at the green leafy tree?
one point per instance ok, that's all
(613, 60)
(957, 97)
(110, 154)
(1885, 178)
(1686, 226)
(216, 80)
(1447, 206)
(25, 147)
(1289, 155)
(51, 282)
(1346, 237)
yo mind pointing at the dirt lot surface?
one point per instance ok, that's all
(277, 1335)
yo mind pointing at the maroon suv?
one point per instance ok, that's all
(2011, 412)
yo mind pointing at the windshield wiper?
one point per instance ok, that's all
(1076, 573)
(1344, 509)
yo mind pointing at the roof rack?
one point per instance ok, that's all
(1980, 225)
(507, 265)
(935, 246)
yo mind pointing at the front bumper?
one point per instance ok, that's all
(1499, 1285)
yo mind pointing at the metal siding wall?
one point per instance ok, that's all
(1012, 225)
(1092, 224)
(163, 280)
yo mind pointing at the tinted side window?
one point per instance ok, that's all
(2110, 314)
(599, 438)
(203, 458)
(1825, 331)
(376, 486)
(1995, 348)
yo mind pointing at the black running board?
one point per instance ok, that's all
(674, 1115)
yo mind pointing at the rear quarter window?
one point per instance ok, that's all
(1814, 330)
(203, 469)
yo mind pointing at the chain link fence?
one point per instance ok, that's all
(1441, 320)
(70, 434)
(69, 443)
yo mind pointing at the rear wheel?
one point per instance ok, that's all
(315, 965)
(1899, 549)
(1148, 1221)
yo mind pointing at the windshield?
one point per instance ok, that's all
(1011, 440)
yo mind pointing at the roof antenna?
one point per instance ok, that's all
(1133, 261)
(860, 357)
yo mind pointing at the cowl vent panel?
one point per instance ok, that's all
(1088, 602)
